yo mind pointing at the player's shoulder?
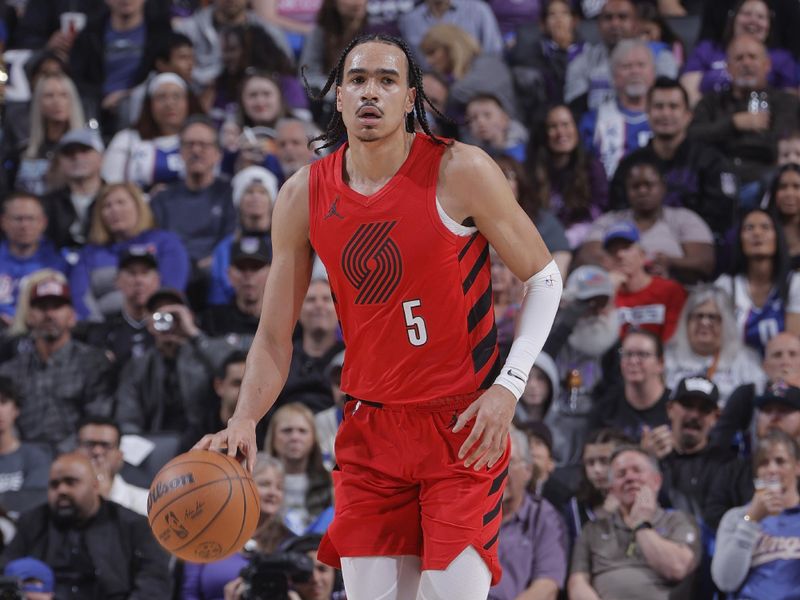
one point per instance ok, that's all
(297, 185)
(464, 162)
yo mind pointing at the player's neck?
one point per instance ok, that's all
(369, 165)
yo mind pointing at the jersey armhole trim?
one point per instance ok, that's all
(451, 225)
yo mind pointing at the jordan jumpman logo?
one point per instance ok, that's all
(333, 212)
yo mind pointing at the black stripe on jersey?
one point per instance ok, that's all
(491, 542)
(480, 308)
(498, 481)
(483, 351)
(466, 248)
(487, 518)
(476, 268)
(492, 374)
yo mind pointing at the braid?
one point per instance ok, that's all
(335, 131)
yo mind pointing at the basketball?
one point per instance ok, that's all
(203, 506)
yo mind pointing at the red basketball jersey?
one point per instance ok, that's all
(414, 299)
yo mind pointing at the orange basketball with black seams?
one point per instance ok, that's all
(203, 506)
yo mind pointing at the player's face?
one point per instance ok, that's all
(374, 97)
(294, 438)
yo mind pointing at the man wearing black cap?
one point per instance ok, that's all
(250, 261)
(778, 408)
(125, 334)
(60, 379)
(167, 388)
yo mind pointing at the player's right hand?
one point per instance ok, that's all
(238, 437)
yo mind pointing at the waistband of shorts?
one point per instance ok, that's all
(434, 405)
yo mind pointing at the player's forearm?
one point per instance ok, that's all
(265, 373)
(670, 560)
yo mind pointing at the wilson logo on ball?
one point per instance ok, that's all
(161, 489)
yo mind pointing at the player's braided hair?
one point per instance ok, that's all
(335, 131)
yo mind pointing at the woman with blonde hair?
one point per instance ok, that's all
(20, 325)
(55, 109)
(292, 438)
(122, 231)
(456, 56)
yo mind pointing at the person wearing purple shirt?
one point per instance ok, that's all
(533, 542)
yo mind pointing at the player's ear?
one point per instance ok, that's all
(410, 98)
(339, 98)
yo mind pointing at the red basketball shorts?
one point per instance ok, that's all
(400, 488)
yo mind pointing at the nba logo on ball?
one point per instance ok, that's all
(203, 506)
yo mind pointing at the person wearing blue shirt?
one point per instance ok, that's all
(24, 249)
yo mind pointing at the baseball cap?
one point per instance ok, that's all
(253, 248)
(697, 387)
(30, 568)
(166, 296)
(624, 230)
(250, 175)
(50, 288)
(82, 137)
(589, 281)
(141, 254)
(780, 393)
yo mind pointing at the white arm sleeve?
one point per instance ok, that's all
(539, 306)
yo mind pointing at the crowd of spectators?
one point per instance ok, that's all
(655, 144)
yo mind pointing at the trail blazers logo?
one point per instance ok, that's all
(372, 263)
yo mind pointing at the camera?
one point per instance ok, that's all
(10, 589)
(267, 576)
(163, 321)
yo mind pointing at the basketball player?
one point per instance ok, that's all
(403, 223)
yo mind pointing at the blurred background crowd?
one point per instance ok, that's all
(655, 144)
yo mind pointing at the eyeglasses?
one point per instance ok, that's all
(631, 354)
(91, 444)
(713, 318)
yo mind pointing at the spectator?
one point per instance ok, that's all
(166, 389)
(589, 75)
(688, 461)
(24, 250)
(643, 300)
(248, 271)
(789, 148)
(97, 548)
(199, 208)
(296, 19)
(585, 331)
(490, 127)
(619, 125)
(532, 542)
(477, 20)
(592, 500)
(148, 154)
(23, 466)
(783, 201)
(292, 144)
(777, 409)
(55, 110)
(261, 100)
(765, 292)
(121, 222)
(506, 298)
(754, 549)
(744, 121)
(292, 438)
(641, 546)
(781, 363)
(99, 440)
(657, 31)
(338, 23)
(705, 71)
(457, 57)
(226, 384)
(40, 25)
(69, 207)
(539, 57)
(36, 580)
(328, 420)
(697, 176)
(706, 343)
(60, 380)
(306, 382)
(244, 48)
(207, 581)
(111, 56)
(540, 391)
(254, 192)
(676, 241)
(544, 484)
(567, 179)
(124, 334)
(640, 402)
(550, 228)
(204, 28)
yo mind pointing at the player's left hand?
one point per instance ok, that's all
(493, 412)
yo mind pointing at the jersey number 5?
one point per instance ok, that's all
(415, 325)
